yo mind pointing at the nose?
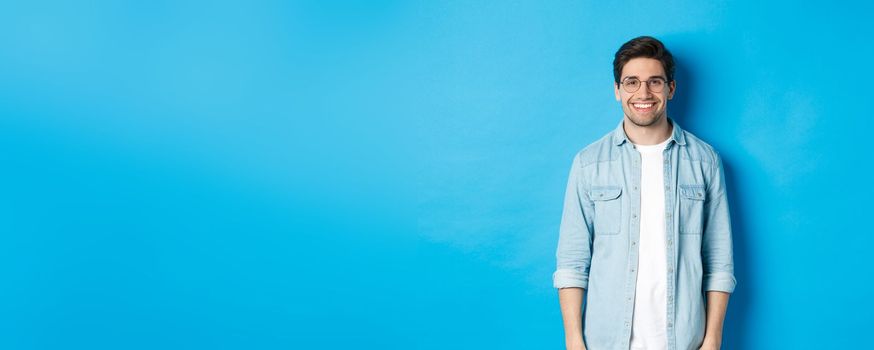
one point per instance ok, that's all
(644, 89)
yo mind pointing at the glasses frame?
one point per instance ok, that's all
(647, 82)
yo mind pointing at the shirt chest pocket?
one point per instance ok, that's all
(692, 209)
(608, 209)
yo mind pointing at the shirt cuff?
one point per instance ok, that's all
(720, 282)
(564, 278)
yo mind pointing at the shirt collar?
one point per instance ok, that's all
(677, 134)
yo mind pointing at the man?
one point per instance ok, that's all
(645, 232)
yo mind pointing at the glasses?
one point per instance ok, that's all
(632, 84)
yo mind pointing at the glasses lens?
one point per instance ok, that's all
(656, 85)
(631, 85)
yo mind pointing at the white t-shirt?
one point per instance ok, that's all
(648, 327)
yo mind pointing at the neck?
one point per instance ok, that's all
(648, 135)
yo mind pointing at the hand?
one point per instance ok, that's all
(575, 344)
(709, 345)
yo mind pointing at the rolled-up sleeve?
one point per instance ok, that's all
(716, 247)
(574, 252)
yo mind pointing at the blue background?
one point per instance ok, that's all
(389, 174)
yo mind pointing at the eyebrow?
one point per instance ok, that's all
(654, 76)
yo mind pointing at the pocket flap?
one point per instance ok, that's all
(605, 193)
(695, 192)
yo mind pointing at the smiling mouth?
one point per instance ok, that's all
(643, 107)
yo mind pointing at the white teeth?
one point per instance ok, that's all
(641, 105)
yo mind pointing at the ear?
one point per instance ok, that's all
(616, 91)
(672, 87)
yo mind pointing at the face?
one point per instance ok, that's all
(644, 107)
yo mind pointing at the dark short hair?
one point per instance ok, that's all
(647, 47)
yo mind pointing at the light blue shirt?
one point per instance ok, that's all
(600, 229)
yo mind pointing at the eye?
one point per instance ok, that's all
(631, 82)
(656, 83)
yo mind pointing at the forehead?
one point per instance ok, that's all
(643, 68)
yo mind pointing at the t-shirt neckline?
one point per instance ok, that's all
(652, 148)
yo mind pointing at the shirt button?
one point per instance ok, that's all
(634, 216)
(635, 188)
(633, 243)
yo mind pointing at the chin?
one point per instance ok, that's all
(644, 121)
